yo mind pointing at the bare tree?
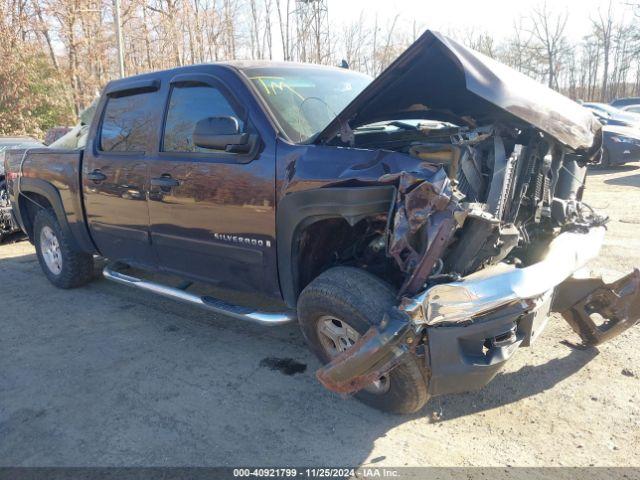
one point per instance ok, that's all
(517, 50)
(284, 24)
(355, 38)
(68, 46)
(481, 41)
(603, 29)
(549, 42)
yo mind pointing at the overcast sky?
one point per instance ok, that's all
(494, 16)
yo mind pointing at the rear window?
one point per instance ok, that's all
(127, 123)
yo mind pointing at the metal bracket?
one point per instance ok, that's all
(618, 304)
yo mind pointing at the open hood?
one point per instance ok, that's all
(436, 77)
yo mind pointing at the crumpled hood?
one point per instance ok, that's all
(437, 77)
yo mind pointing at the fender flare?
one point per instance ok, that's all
(76, 233)
(298, 210)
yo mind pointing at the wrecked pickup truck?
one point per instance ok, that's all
(420, 236)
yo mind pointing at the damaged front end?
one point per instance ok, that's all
(489, 229)
(466, 330)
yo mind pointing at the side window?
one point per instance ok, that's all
(188, 104)
(128, 123)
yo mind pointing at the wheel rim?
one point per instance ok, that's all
(337, 336)
(51, 253)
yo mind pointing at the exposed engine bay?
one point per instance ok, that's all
(481, 196)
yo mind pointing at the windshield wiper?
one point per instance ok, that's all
(394, 123)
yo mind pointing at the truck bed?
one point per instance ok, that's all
(42, 169)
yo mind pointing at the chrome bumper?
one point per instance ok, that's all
(500, 285)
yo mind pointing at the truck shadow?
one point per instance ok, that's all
(598, 171)
(511, 387)
(148, 381)
(627, 181)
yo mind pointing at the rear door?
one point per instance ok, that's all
(115, 173)
(212, 212)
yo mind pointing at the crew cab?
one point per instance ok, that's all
(420, 226)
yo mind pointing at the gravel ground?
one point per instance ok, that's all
(104, 375)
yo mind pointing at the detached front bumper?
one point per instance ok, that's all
(467, 330)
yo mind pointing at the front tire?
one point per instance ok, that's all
(339, 306)
(64, 265)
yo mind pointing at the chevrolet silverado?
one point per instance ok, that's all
(421, 227)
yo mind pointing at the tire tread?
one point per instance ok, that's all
(77, 266)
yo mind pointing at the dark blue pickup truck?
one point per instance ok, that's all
(420, 226)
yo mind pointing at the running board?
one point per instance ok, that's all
(209, 303)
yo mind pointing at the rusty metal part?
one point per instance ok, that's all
(440, 154)
(375, 354)
(424, 220)
(416, 281)
(618, 303)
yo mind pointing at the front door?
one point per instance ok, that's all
(115, 176)
(212, 212)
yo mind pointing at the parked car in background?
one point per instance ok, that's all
(632, 108)
(54, 134)
(76, 137)
(625, 102)
(8, 224)
(619, 145)
(609, 115)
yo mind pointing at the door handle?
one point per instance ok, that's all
(165, 181)
(96, 176)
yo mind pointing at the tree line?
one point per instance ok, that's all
(58, 54)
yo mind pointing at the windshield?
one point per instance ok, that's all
(305, 100)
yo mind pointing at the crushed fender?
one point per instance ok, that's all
(426, 215)
(617, 303)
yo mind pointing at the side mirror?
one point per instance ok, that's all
(221, 133)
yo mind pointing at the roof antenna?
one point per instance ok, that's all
(344, 64)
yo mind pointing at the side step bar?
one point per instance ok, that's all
(210, 303)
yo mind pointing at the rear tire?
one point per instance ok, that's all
(61, 262)
(358, 300)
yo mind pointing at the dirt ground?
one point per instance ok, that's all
(104, 375)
